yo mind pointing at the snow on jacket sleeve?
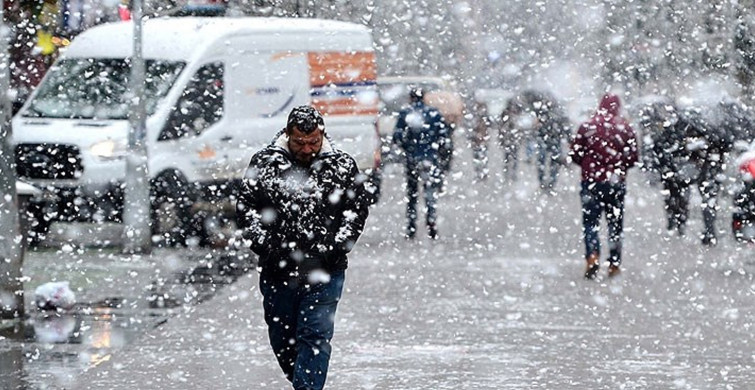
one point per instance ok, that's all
(631, 152)
(249, 210)
(355, 211)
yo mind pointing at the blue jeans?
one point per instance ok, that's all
(300, 321)
(597, 199)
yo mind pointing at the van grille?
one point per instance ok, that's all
(48, 161)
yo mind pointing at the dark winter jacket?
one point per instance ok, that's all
(704, 145)
(297, 218)
(606, 146)
(670, 156)
(421, 132)
(553, 126)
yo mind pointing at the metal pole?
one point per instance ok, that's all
(11, 242)
(136, 217)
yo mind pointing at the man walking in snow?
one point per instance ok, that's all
(706, 145)
(551, 129)
(302, 208)
(479, 136)
(511, 136)
(669, 156)
(421, 132)
(605, 147)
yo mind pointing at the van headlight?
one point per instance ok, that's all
(109, 150)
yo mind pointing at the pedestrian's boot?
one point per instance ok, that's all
(432, 232)
(593, 266)
(411, 231)
(614, 270)
(709, 240)
(681, 228)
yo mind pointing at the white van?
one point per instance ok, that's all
(218, 89)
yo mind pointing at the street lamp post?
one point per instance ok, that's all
(136, 208)
(11, 242)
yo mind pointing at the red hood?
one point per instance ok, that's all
(609, 105)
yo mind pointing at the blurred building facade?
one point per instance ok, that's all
(641, 46)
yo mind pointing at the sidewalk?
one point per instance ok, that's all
(219, 344)
(119, 299)
(498, 302)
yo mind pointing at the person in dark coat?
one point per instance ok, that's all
(552, 128)
(511, 136)
(301, 208)
(605, 148)
(482, 122)
(671, 159)
(707, 146)
(420, 132)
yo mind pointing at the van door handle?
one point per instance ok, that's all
(227, 138)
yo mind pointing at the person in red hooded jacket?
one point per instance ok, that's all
(605, 147)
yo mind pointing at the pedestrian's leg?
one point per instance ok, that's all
(447, 154)
(480, 161)
(504, 145)
(280, 303)
(542, 156)
(614, 208)
(671, 204)
(431, 184)
(555, 164)
(590, 223)
(412, 193)
(677, 204)
(514, 163)
(683, 206)
(484, 162)
(709, 193)
(508, 161)
(510, 149)
(315, 330)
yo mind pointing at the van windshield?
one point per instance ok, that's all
(98, 88)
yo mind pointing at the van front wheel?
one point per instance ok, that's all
(170, 214)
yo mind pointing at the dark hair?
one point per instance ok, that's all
(306, 119)
(416, 94)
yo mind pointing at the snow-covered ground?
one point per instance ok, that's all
(498, 302)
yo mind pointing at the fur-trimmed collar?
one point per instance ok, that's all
(282, 143)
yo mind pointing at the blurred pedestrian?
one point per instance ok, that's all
(605, 148)
(706, 146)
(510, 137)
(552, 129)
(670, 158)
(302, 208)
(482, 122)
(451, 107)
(420, 132)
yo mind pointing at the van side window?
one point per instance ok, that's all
(200, 104)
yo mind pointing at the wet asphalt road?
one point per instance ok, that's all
(119, 298)
(498, 302)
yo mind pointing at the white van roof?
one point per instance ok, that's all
(178, 38)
